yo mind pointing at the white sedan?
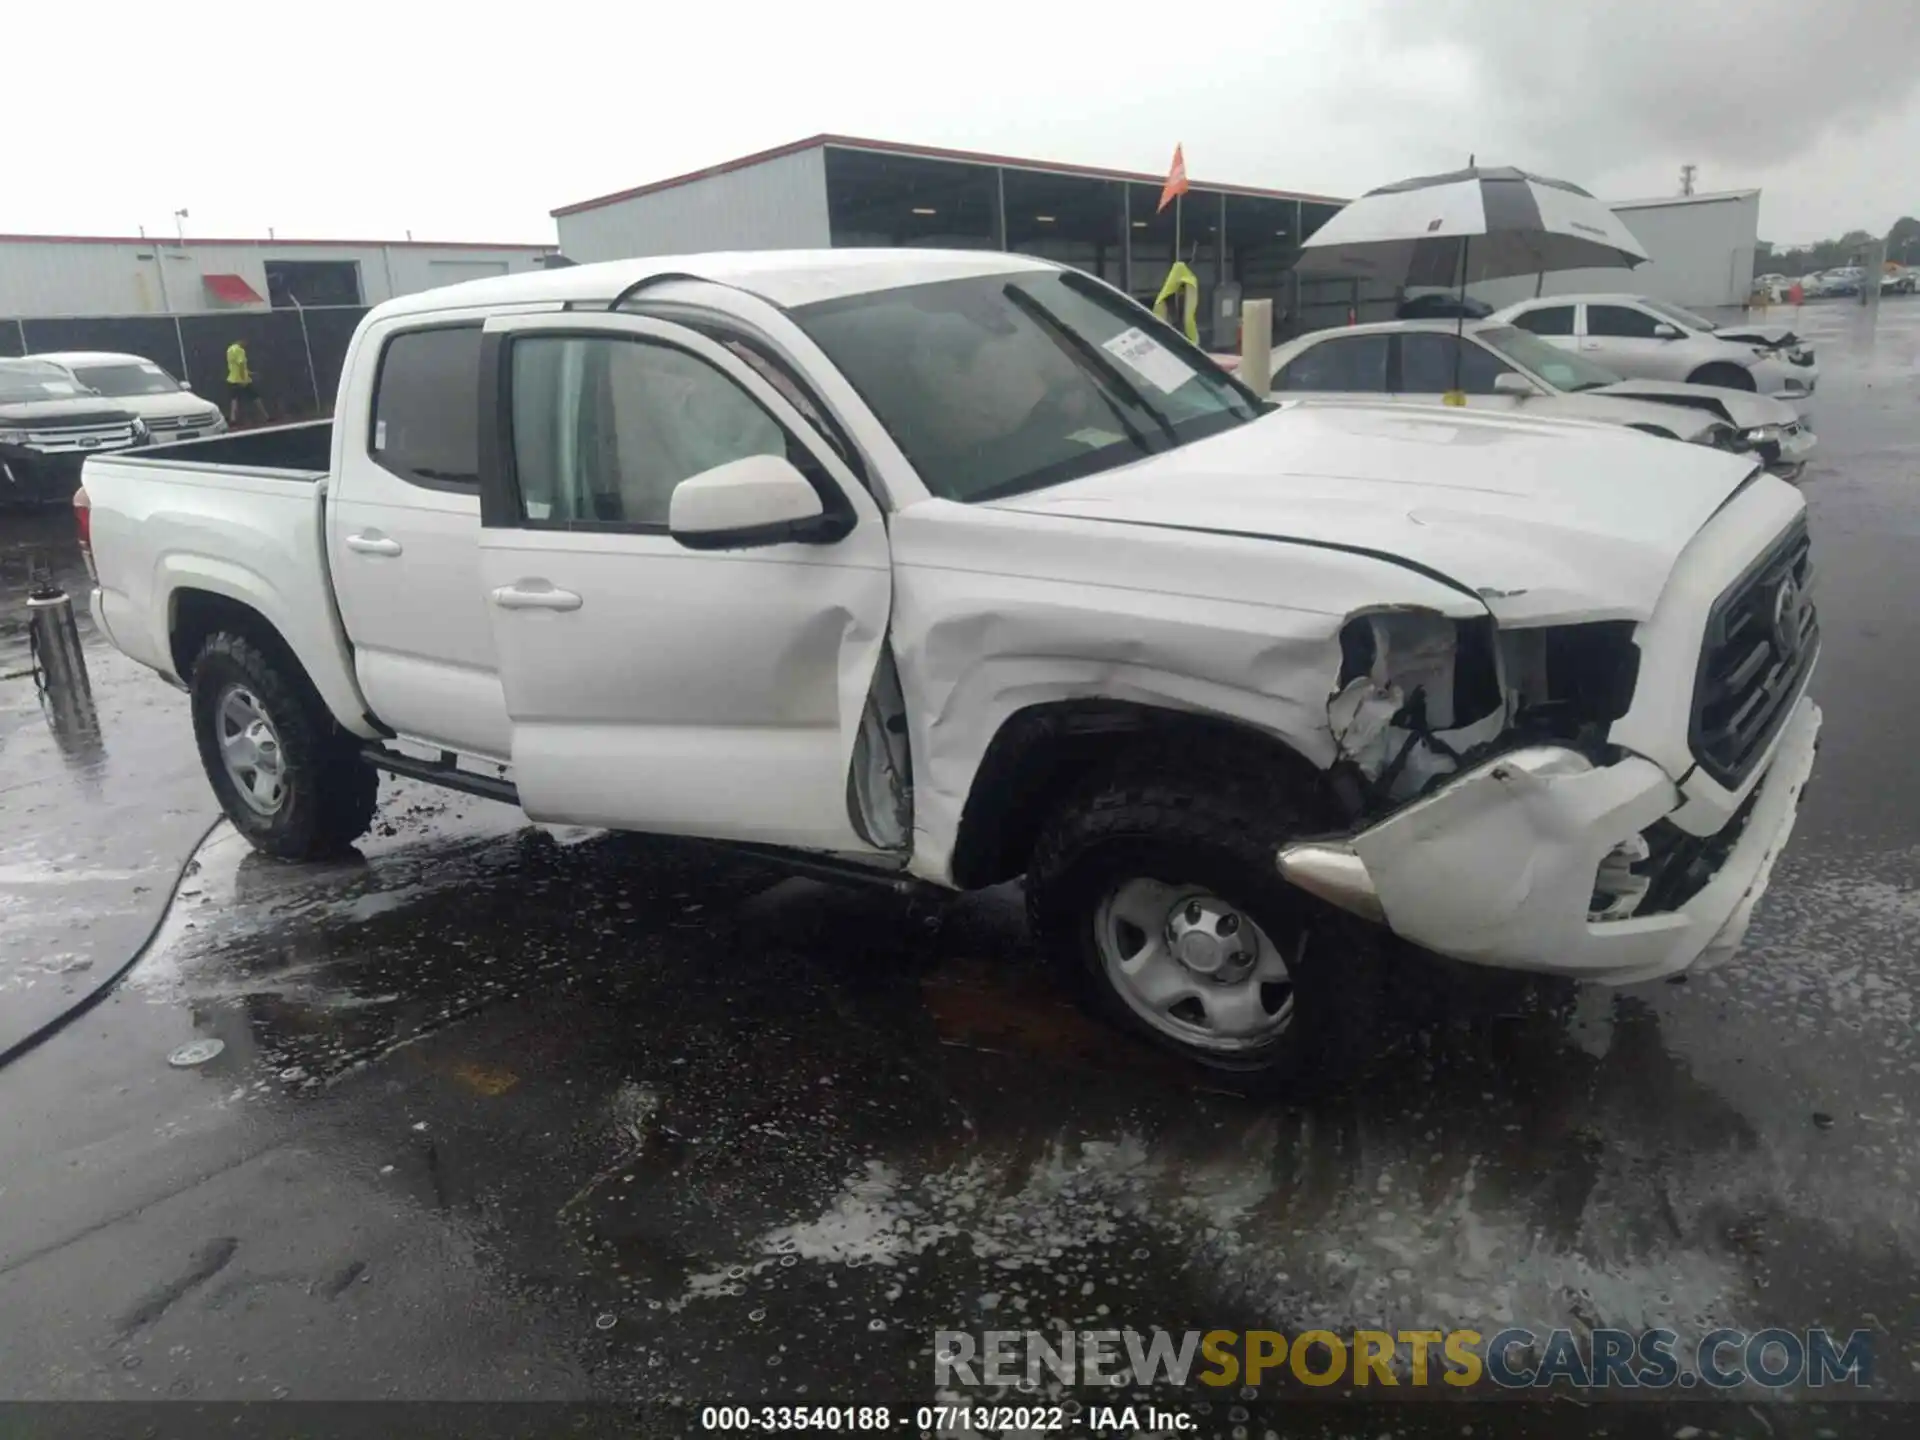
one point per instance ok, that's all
(1501, 367)
(1658, 340)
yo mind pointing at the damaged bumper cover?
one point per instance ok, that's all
(1502, 865)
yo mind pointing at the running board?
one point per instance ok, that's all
(443, 771)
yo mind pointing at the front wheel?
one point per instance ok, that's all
(289, 778)
(1160, 895)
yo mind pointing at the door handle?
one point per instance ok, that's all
(372, 544)
(513, 597)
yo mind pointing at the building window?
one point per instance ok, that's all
(1073, 219)
(306, 283)
(876, 199)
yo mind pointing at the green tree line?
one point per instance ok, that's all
(1903, 245)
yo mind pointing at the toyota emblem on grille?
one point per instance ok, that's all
(1788, 605)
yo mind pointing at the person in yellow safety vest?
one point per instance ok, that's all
(240, 385)
(1180, 293)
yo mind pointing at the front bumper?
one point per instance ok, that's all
(1500, 867)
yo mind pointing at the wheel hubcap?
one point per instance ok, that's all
(250, 749)
(1195, 966)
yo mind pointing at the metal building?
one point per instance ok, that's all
(834, 190)
(43, 276)
(1700, 250)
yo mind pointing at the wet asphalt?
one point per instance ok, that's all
(505, 1112)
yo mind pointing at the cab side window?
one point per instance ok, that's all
(426, 408)
(1353, 362)
(605, 427)
(1548, 320)
(1618, 320)
(1428, 358)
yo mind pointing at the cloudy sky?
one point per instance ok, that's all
(340, 118)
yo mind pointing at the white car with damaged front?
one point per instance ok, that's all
(937, 569)
(1645, 338)
(1501, 368)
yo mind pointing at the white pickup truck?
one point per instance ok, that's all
(939, 569)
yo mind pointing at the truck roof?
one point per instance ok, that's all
(785, 277)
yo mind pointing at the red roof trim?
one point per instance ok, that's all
(927, 152)
(153, 240)
(234, 289)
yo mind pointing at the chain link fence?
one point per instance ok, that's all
(295, 354)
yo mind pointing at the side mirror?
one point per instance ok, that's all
(184, 385)
(756, 500)
(1509, 382)
(1664, 331)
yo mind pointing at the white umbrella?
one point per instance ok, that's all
(1475, 224)
(1470, 225)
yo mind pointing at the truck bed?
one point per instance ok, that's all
(300, 451)
(181, 531)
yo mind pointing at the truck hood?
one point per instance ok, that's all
(61, 414)
(1743, 409)
(1546, 521)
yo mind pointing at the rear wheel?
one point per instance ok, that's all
(1156, 889)
(1728, 377)
(288, 777)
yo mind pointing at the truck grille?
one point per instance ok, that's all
(77, 433)
(167, 424)
(1762, 637)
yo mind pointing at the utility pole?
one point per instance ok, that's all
(1687, 172)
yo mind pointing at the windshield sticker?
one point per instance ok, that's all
(1095, 439)
(59, 387)
(379, 434)
(1149, 359)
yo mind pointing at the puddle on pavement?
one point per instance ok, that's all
(674, 1086)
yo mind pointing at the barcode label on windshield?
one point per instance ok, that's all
(1149, 359)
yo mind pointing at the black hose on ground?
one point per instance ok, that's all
(100, 991)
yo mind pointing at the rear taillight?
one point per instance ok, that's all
(83, 525)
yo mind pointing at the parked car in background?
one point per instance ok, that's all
(171, 410)
(1505, 368)
(1637, 336)
(1443, 305)
(49, 424)
(937, 568)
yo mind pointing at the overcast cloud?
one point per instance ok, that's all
(351, 119)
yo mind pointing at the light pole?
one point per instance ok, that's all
(180, 227)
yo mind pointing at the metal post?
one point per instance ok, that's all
(59, 667)
(1126, 237)
(21, 326)
(1256, 345)
(160, 268)
(313, 379)
(180, 344)
(1000, 205)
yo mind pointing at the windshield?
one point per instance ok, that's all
(1679, 316)
(130, 377)
(22, 381)
(996, 384)
(1561, 369)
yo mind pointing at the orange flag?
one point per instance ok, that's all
(1176, 181)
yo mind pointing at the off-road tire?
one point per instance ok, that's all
(1180, 821)
(330, 788)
